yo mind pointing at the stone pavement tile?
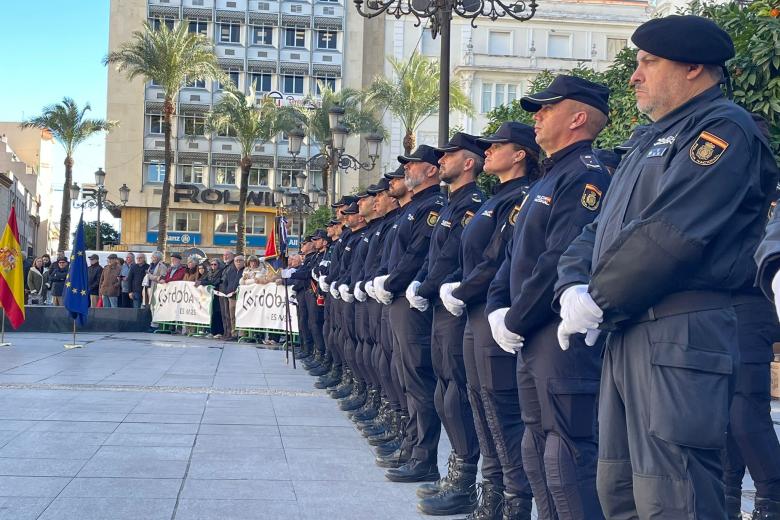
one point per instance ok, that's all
(60, 415)
(40, 467)
(150, 439)
(195, 509)
(109, 508)
(74, 426)
(306, 407)
(143, 452)
(134, 468)
(334, 465)
(243, 441)
(25, 448)
(21, 378)
(322, 437)
(22, 508)
(249, 463)
(157, 427)
(7, 435)
(225, 417)
(17, 412)
(163, 418)
(238, 489)
(122, 488)
(239, 429)
(16, 425)
(332, 420)
(32, 486)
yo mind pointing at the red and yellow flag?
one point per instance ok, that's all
(12, 273)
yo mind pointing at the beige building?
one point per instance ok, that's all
(28, 154)
(14, 174)
(279, 46)
(496, 61)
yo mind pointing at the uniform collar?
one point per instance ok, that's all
(517, 181)
(463, 191)
(708, 96)
(427, 192)
(393, 212)
(563, 153)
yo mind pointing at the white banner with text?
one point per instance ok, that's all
(182, 302)
(262, 306)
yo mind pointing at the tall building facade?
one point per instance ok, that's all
(286, 48)
(14, 176)
(496, 61)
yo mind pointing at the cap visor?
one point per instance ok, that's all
(403, 159)
(445, 149)
(534, 103)
(493, 139)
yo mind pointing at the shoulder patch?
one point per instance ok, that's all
(445, 223)
(476, 198)
(707, 149)
(433, 216)
(590, 161)
(466, 218)
(591, 197)
(516, 210)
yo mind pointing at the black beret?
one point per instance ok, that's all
(569, 87)
(464, 141)
(687, 39)
(423, 153)
(514, 132)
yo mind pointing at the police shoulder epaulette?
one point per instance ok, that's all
(590, 161)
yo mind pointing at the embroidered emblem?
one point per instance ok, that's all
(657, 151)
(707, 149)
(446, 223)
(466, 218)
(513, 215)
(432, 218)
(669, 139)
(487, 213)
(476, 198)
(543, 199)
(591, 197)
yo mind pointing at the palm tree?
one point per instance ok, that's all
(167, 57)
(69, 126)
(254, 122)
(413, 94)
(357, 119)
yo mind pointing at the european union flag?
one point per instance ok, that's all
(76, 291)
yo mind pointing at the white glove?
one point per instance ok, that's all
(334, 291)
(385, 297)
(369, 285)
(345, 294)
(506, 339)
(416, 302)
(359, 294)
(452, 304)
(286, 273)
(325, 286)
(776, 291)
(580, 314)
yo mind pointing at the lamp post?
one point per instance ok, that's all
(96, 198)
(439, 12)
(333, 148)
(298, 204)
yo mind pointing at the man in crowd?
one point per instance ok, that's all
(135, 280)
(229, 286)
(109, 282)
(124, 296)
(93, 279)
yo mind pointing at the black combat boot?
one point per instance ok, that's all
(490, 502)
(330, 379)
(356, 399)
(394, 460)
(344, 388)
(434, 488)
(371, 409)
(321, 370)
(517, 507)
(400, 431)
(733, 504)
(766, 509)
(458, 492)
(415, 470)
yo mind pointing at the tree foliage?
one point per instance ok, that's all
(318, 219)
(108, 235)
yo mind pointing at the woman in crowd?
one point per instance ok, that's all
(36, 283)
(191, 271)
(156, 272)
(57, 277)
(213, 278)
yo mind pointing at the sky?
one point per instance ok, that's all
(50, 50)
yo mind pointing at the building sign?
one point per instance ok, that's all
(192, 193)
(227, 239)
(176, 237)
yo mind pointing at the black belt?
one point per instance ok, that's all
(684, 302)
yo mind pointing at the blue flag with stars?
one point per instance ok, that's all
(76, 292)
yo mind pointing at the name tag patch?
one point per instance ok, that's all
(657, 151)
(543, 199)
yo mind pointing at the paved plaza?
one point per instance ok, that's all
(147, 427)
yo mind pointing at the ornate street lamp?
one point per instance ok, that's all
(439, 13)
(96, 198)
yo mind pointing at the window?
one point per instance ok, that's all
(185, 221)
(197, 83)
(326, 39)
(296, 8)
(155, 171)
(261, 82)
(234, 75)
(322, 83)
(262, 35)
(199, 27)
(153, 220)
(499, 43)
(230, 32)
(328, 11)
(511, 93)
(428, 46)
(258, 177)
(191, 173)
(295, 37)
(228, 223)
(194, 124)
(227, 131)
(225, 174)
(558, 46)
(497, 94)
(614, 46)
(159, 22)
(487, 97)
(287, 176)
(292, 84)
(156, 124)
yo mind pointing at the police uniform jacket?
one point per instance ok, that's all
(347, 257)
(361, 251)
(444, 248)
(484, 240)
(299, 280)
(387, 243)
(566, 198)
(686, 211)
(376, 245)
(335, 261)
(413, 235)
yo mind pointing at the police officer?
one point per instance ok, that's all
(557, 389)
(673, 241)
(412, 327)
(298, 278)
(513, 157)
(314, 299)
(461, 162)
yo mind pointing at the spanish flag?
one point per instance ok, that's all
(12, 273)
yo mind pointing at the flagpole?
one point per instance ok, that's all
(74, 344)
(2, 333)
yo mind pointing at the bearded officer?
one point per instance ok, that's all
(673, 241)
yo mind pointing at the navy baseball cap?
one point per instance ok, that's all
(463, 141)
(320, 234)
(334, 222)
(514, 132)
(381, 185)
(365, 193)
(686, 39)
(397, 174)
(569, 87)
(423, 153)
(352, 209)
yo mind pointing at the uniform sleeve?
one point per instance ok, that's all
(574, 264)
(531, 305)
(404, 272)
(345, 273)
(498, 293)
(443, 265)
(669, 238)
(334, 266)
(768, 256)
